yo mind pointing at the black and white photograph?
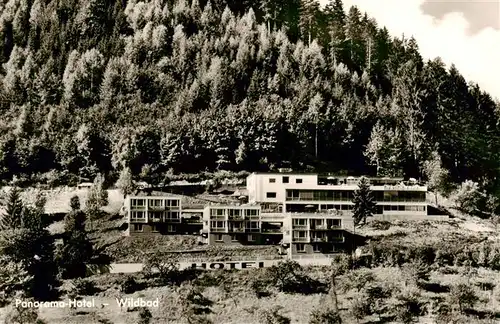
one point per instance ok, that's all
(249, 161)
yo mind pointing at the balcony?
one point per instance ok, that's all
(304, 227)
(218, 230)
(236, 218)
(319, 227)
(155, 220)
(137, 207)
(215, 217)
(272, 230)
(336, 239)
(300, 239)
(319, 239)
(138, 220)
(237, 230)
(156, 208)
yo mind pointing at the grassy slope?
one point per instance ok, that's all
(297, 307)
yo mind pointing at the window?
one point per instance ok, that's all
(217, 212)
(234, 238)
(215, 224)
(171, 229)
(301, 247)
(300, 221)
(251, 212)
(138, 227)
(174, 215)
(138, 215)
(155, 229)
(316, 248)
(253, 225)
(298, 180)
(251, 238)
(218, 238)
(271, 195)
(156, 202)
(286, 179)
(272, 180)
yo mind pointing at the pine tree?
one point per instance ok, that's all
(125, 183)
(12, 218)
(364, 205)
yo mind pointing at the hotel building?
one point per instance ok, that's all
(232, 224)
(283, 192)
(315, 212)
(152, 214)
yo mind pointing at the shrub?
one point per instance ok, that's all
(325, 316)
(82, 287)
(130, 285)
(360, 307)
(416, 273)
(381, 225)
(21, 315)
(273, 316)
(144, 316)
(408, 305)
(463, 296)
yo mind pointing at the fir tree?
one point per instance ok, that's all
(13, 214)
(364, 206)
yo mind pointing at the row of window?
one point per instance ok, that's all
(348, 195)
(154, 202)
(154, 215)
(235, 238)
(301, 247)
(285, 179)
(154, 228)
(405, 208)
(233, 212)
(222, 224)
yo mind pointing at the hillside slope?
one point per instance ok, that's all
(93, 86)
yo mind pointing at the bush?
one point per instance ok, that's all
(381, 225)
(408, 305)
(144, 316)
(463, 296)
(130, 285)
(325, 316)
(82, 287)
(360, 307)
(273, 316)
(21, 315)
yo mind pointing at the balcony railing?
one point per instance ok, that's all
(137, 207)
(299, 226)
(138, 220)
(319, 227)
(218, 229)
(236, 218)
(156, 208)
(319, 239)
(237, 230)
(272, 230)
(217, 217)
(300, 239)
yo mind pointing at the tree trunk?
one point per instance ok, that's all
(316, 142)
(334, 294)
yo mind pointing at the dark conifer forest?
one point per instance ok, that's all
(96, 86)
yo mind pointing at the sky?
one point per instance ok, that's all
(463, 32)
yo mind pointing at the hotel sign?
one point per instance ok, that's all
(228, 265)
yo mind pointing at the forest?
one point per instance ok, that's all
(176, 86)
